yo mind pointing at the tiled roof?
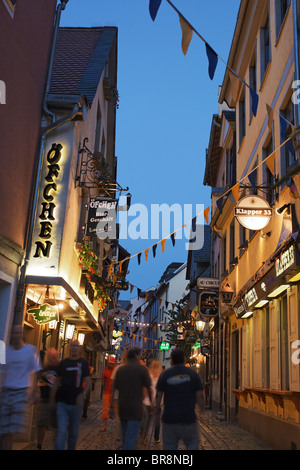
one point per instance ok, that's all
(80, 57)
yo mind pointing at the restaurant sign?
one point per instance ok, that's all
(253, 212)
(285, 260)
(44, 313)
(102, 218)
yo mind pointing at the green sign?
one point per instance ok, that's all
(164, 346)
(44, 313)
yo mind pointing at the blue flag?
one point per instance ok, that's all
(212, 59)
(254, 101)
(153, 8)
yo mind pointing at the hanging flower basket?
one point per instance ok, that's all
(88, 261)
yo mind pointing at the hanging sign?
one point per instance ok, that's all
(44, 313)
(102, 218)
(209, 303)
(164, 346)
(253, 212)
(227, 293)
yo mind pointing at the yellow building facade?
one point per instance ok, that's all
(257, 378)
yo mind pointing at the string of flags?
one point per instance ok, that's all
(233, 193)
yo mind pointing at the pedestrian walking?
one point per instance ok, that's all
(114, 400)
(150, 421)
(72, 373)
(107, 390)
(19, 387)
(181, 388)
(130, 380)
(46, 413)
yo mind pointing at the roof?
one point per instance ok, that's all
(80, 58)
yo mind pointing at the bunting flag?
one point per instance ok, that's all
(283, 127)
(206, 214)
(252, 178)
(194, 224)
(293, 188)
(139, 257)
(173, 239)
(220, 204)
(153, 8)
(146, 253)
(212, 60)
(131, 288)
(139, 292)
(163, 242)
(235, 191)
(232, 198)
(187, 34)
(254, 101)
(270, 116)
(271, 163)
(154, 250)
(120, 266)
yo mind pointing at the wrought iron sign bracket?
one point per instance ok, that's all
(92, 172)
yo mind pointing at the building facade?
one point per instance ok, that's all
(251, 162)
(23, 73)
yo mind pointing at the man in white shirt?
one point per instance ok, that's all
(18, 386)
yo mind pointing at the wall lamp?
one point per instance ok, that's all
(281, 209)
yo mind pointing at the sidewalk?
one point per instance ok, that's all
(215, 435)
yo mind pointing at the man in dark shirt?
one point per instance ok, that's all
(130, 380)
(182, 389)
(71, 373)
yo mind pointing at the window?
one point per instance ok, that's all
(10, 5)
(242, 118)
(287, 120)
(232, 242)
(231, 165)
(267, 176)
(252, 80)
(98, 130)
(265, 48)
(281, 7)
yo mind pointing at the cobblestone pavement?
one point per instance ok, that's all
(215, 435)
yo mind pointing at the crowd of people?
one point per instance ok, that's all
(147, 402)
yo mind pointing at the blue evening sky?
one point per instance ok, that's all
(166, 105)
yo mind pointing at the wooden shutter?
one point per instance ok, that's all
(293, 335)
(274, 345)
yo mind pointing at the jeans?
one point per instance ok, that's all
(130, 433)
(188, 433)
(68, 418)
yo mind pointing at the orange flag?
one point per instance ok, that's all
(131, 288)
(206, 214)
(120, 265)
(270, 161)
(187, 34)
(146, 254)
(163, 242)
(235, 191)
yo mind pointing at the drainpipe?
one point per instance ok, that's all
(20, 296)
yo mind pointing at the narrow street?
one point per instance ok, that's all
(215, 435)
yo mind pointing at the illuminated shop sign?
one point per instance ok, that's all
(49, 189)
(102, 218)
(253, 212)
(251, 297)
(284, 261)
(44, 313)
(164, 346)
(209, 303)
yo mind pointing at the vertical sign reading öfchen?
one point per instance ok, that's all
(46, 216)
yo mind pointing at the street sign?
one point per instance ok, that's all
(207, 283)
